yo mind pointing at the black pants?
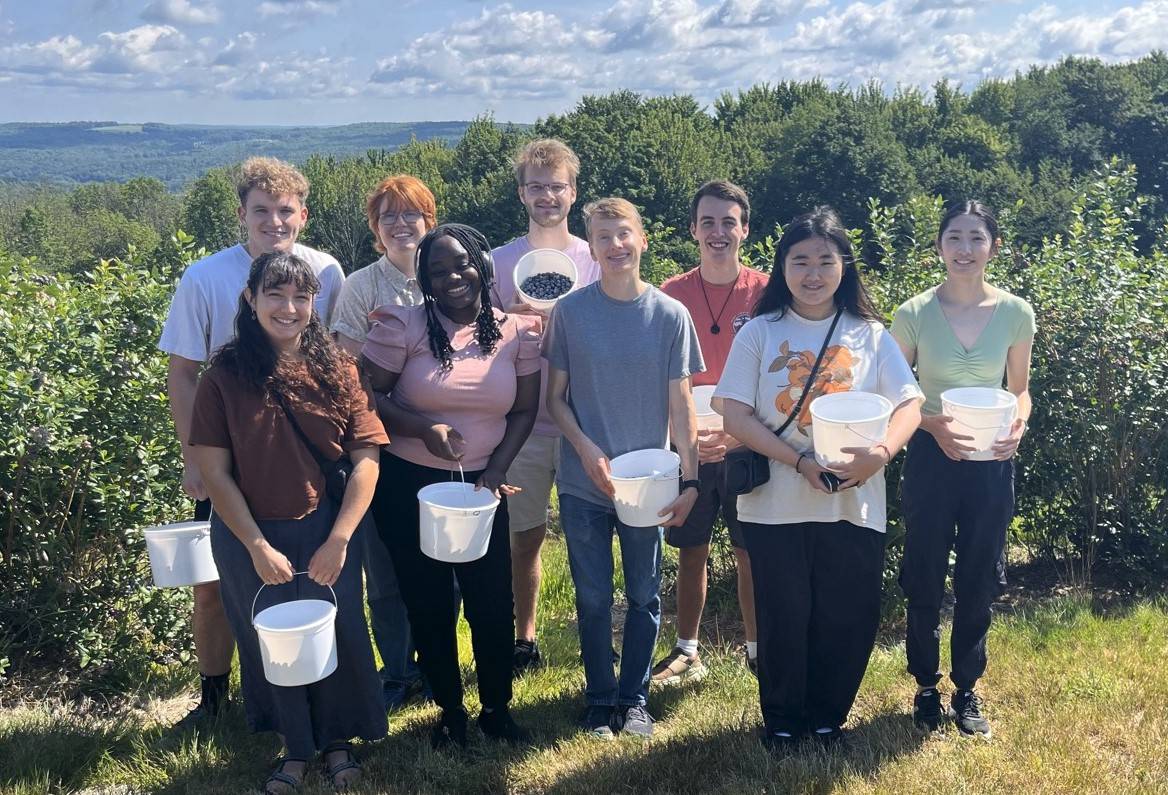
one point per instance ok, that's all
(817, 598)
(427, 589)
(949, 504)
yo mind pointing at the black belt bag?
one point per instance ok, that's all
(745, 470)
(336, 473)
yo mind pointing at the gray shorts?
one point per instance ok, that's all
(699, 525)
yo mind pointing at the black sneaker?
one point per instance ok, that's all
(637, 721)
(526, 656)
(928, 712)
(213, 699)
(779, 743)
(451, 730)
(967, 715)
(752, 665)
(597, 721)
(499, 725)
(830, 737)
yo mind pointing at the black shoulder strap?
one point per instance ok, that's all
(811, 378)
(320, 460)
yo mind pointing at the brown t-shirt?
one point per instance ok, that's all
(278, 476)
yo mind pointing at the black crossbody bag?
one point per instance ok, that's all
(745, 469)
(336, 473)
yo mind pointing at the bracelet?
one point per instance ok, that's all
(799, 461)
(887, 452)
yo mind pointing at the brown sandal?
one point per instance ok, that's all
(335, 772)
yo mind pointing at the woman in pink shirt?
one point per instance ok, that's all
(464, 378)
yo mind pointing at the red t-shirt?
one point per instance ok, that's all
(729, 305)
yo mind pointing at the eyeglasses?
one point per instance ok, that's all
(554, 188)
(410, 217)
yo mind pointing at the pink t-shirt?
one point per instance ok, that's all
(474, 397)
(729, 305)
(503, 296)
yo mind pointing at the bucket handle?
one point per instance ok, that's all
(462, 477)
(985, 427)
(294, 574)
(863, 436)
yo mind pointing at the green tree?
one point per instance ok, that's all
(209, 210)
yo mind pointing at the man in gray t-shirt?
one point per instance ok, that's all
(620, 354)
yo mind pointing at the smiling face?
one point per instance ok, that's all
(399, 230)
(966, 246)
(547, 193)
(719, 230)
(452, 279)
(616, 244)
(273, 221)
(813, 269)
(283, 312)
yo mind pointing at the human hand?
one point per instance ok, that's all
(523, 308)
(445, 442)
(1005, 448)
(712, 446)
(328, 560)
(810, 469)
(949, 442)
(597, 466)
(494, 480)
(272, 565)
(678, 510)
(866, 462)
(192, 482)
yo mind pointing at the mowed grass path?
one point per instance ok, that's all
(1079, 703)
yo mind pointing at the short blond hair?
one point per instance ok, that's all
(611, 207)
(271, 176)
(546, 153)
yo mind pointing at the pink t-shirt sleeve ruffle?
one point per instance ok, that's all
(391, 337)
(528, 328)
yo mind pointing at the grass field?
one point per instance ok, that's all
(1079, 702)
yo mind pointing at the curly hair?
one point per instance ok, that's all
(251, 358)
(271, 176)
(478, 251)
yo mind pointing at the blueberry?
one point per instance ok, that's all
(545, 286)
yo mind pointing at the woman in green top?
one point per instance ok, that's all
(963, 333)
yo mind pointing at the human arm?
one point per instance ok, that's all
(937, 425)
(272, 566)
(182, 380)
(440, 439)
(520, 421)
(329, 558)
(867, 461)
(683, 432)
(740, 422)
(1018, 383)
(349, 344)
(594, 460)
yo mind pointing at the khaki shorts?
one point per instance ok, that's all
(534, 471)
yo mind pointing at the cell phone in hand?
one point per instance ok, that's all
(830, 481)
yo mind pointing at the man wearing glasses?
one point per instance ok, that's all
(546, 171)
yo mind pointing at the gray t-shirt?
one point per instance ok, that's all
(620, 357)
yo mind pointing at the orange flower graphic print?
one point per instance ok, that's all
(835, 375)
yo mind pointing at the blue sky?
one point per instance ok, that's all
(343, 61)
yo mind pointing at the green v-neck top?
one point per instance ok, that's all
(942, 361)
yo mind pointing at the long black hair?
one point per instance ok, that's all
(251, 358)
(822, 222)
(977, 210)
(478, 252)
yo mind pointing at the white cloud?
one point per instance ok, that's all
(180, 12)
(293, 11)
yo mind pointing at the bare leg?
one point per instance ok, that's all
(746, 593)
(526, 571)
(214, 643)
(691, 589)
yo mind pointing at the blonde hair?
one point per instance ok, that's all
(405, 191)
(611, 207)
(271, 176)
(546, 153)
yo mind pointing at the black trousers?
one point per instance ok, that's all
(962, 505)
(427, 589)
(817, 599)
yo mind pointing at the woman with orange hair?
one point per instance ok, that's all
(400, 210)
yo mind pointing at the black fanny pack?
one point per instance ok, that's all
(336, 473)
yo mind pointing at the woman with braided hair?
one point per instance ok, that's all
(464, 379)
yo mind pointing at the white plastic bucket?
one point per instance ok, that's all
(543, 260)
(645, 482)
(298, 639)
(984, 413)
(180, 554)
(708, 419)
(454, 521)
(847, 419)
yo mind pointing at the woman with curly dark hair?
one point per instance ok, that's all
(280, 386)
(464, 379)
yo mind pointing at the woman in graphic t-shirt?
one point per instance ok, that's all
(963, 333)
(817, 554)
(464, 379)
(273, 518)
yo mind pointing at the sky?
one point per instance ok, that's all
(345, 61)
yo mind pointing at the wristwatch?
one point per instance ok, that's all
(695, 484)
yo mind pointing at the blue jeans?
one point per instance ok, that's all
(391, 625)
(588, 528)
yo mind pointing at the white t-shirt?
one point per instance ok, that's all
(202, 312)
(768, 368)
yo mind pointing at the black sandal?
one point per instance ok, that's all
(278, 776)
(333, 771)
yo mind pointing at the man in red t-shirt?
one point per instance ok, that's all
(720, 295)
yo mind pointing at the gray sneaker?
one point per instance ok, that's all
(637, 721)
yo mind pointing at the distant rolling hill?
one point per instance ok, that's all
(102, 151)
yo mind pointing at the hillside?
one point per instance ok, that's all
(100, 151)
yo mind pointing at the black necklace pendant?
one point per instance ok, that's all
(714, 329)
